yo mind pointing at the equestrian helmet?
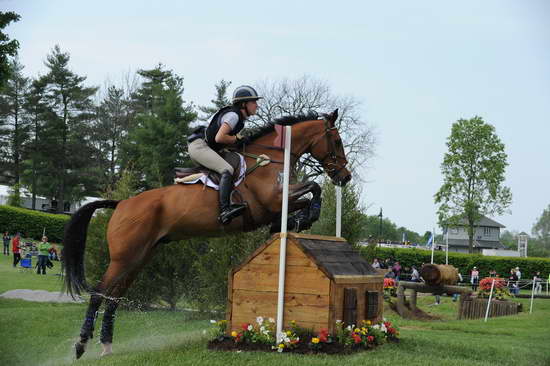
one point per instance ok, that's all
(245, 93)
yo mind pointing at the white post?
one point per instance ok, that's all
(282, 247)
(433, 246)
(532, 296)
(339, 211)
(447, 247)
(489, 302)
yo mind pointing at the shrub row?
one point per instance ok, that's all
(464, 262)
(31, 224)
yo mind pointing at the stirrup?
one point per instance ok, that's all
(229, 214)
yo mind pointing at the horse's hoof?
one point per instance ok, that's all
(79, 349)
(107, 349)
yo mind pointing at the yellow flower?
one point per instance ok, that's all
(368, 322)
(288, 333)
(234, 334)
(315, 340)
(282, 345)
(356, 330)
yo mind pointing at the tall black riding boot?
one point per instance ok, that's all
(228, 211)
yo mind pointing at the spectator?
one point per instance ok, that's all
(15, 248)
(390, 274)
(474, 278)
(415, 276)
(43, 249)
(6, 239)
(538, 283)
(376, 264)
(513, 282)
(518, 273)
(397, 270)
(492, 273)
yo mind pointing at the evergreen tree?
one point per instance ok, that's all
(67, 131)
(158, 142)
(14, 131)
(219, 102)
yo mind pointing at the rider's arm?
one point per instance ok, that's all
(223, 136)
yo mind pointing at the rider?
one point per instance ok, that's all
(224, 129)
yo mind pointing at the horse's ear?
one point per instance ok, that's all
(332, 117)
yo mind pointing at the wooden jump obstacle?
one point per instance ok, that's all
(325, 280)
(475, 308)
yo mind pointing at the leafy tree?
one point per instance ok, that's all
(7, 47)
(305, 94)
(473, 175)
(353, 217)
(14, 198)
(12, 112)
(541, 232)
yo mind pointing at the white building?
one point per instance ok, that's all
(42, 203)
(486, 236)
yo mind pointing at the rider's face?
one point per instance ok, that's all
(251, 107)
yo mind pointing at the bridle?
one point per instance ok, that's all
(331, 167)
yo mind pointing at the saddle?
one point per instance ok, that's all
(193, 173)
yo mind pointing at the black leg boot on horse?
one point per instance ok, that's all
(228, 211)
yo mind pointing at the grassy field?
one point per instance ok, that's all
(43, 333)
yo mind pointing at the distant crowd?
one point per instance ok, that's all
(513, 280)
(23, 252)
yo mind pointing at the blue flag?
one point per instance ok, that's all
(430, 241)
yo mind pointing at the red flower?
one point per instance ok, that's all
(323, 335)
(356, 338)
(387, 324)
(391, 330)
(245, 326)
(389, 282)
(370, 339)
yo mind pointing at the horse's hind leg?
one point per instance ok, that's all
(87, 330)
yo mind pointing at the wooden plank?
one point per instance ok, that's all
(273, 240)
(261, 298)
(305, 280)
(358, 279)
(299, 314)
(350, 306)
(315, 237)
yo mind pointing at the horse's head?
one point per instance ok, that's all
(328, 149)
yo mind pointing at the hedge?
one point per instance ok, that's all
(464, 262)
(31, 224)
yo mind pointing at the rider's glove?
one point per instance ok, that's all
(241, 139)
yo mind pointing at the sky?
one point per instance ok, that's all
(415, 66)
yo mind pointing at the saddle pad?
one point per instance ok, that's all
(205, 179)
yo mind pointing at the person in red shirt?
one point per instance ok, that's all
(15, 249)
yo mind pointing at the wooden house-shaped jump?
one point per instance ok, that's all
(325, 280)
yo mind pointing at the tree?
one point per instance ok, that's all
(158, 143)
(7, 47)
(219, 102)
(67, 131)
(306, 94)
(541, 230)
(473, 176)
(12, 112)
(353, 217)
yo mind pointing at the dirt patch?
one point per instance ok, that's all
(40, 296)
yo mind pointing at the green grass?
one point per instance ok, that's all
(43, 334)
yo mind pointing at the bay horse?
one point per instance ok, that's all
(141, 223)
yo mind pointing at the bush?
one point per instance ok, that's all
(31, 224)
(464, 262)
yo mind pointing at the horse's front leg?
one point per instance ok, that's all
(308, 210)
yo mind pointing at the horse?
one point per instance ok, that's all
(143, 222)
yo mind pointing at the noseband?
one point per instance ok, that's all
(331, 166)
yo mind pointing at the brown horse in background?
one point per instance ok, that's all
(181, 211)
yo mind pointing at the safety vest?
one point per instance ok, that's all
(215, 124)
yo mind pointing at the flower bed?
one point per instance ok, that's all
(261, 337)
(500, 291)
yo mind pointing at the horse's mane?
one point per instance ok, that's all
(260, 131)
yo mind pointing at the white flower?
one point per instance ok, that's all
(259, 320)
(376, 326)
(279, 350)
(384, 319)
(213, 321)
(271, 320)
(250, 327)
(383, 328)
(262, 329)
(349, 327)
(338, 321)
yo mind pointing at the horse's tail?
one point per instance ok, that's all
(74, 244)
